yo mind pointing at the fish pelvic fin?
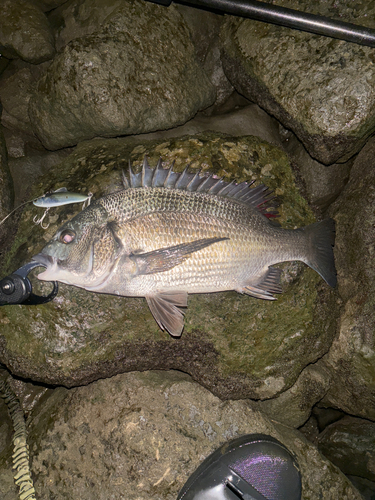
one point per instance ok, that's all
(165, 309)
(320, 257)
(268, 285)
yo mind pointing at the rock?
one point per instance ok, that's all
(235, 345)
(248, 120)
(48, 5)
(322, 183)
(138, 74)
(6, 189)
(351, 358)
(17, 84)
(350, 445)
(310, 429)
(3, 63)
(293, 407)
(79, 18)
(25, 32)
(365, 487)
(205, 31)
(83, 17)
(30, 168)
(140, 435)
(326, 416)
(320, 88)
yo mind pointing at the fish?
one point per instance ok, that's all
(166, 235)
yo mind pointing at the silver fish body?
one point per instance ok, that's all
(167, 235)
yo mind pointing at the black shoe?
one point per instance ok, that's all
(252, 467)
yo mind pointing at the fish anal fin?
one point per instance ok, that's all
(164, 259)
(266, 286)
(165, 309)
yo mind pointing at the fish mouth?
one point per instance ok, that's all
(50, 263)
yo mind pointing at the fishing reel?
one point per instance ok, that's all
(17, 288)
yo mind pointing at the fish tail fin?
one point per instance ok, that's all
(321, 237)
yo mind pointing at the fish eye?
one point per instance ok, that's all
(67, 236)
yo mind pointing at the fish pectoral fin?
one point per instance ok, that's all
(263, 289)
(164, 259)
(165, 309)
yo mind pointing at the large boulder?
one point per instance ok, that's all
(141, 435)
(293, 406)
(321, 88)
(350, 445)
(17, 84)
(235, 345)
(137, 74)
(25, 32)
(351, 358)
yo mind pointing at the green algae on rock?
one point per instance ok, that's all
(235, 345)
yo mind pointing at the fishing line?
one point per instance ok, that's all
(14, 209)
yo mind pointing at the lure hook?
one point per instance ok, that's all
(40, 221)
(86, 203)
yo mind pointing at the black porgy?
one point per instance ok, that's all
(168, 234)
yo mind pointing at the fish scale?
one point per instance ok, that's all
(247, 253)
(166, 235)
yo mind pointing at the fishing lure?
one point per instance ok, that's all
(61, 197)
(55, 199)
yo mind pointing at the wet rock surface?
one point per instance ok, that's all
(25, 32)
(17, 84)
(308, 82)
(83, 94)
(349, 444)
(352, 355)
(293, 406)
(140, 436)
(322, 183)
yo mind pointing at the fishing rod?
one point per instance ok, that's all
(289, 18)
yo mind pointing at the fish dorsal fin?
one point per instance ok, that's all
(259, 197)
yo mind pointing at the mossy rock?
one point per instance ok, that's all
(235, 345)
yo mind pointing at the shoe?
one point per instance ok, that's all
(251, 467)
